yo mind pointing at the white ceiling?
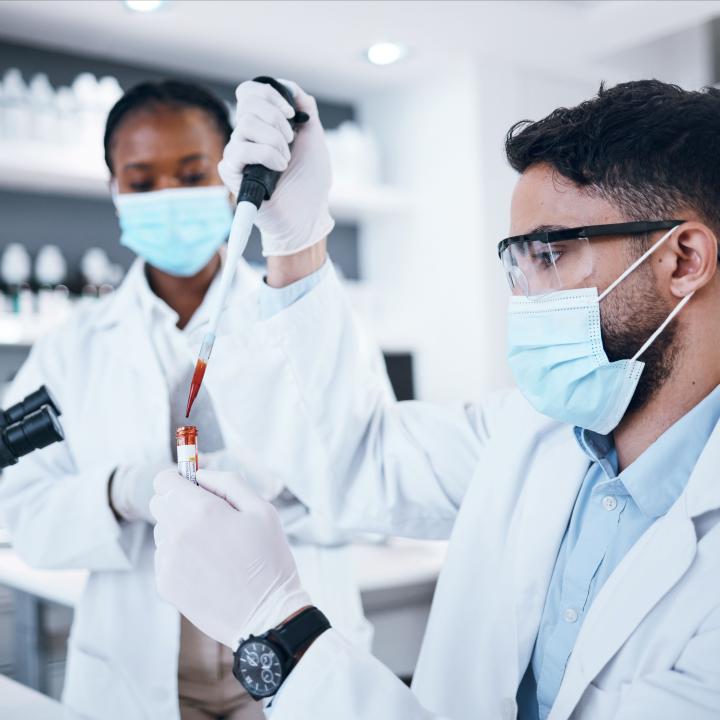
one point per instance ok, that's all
(321, 43)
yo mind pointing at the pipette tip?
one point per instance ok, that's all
(195, 384)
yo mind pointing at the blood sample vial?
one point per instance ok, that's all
(187, 452)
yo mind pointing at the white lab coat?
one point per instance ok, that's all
(123, 651)
(500, 481)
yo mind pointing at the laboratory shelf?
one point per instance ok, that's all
(68, 171)
(17, 332)
(46, 169)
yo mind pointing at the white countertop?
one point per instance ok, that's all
(18, 702)
(398, 564)
(61, 586)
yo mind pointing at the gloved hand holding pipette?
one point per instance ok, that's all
(297, 215)
(290, 210)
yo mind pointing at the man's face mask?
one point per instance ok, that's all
(178, 230)
(555, 346)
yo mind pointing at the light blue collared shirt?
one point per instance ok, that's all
(273, 300)
(611, 512)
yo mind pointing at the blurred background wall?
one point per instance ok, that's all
(422, 187)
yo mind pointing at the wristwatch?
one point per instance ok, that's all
(262, 663)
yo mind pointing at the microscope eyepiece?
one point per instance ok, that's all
(38, 430)
(29, 425)
(34, 401)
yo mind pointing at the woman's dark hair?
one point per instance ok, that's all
(168, 93)
(650, 148)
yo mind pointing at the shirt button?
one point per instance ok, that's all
(609, 502)
(570, 615)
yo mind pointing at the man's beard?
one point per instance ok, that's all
(629, 316)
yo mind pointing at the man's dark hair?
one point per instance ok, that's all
(650, 148)
(168, 93)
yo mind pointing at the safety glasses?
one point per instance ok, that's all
(543, 262)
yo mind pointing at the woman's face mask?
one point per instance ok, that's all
(177, 230)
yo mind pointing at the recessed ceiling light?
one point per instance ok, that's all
(385, 53)
(143, 5)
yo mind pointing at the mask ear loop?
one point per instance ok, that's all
(666, 322)
(674, 311)
(637, 263)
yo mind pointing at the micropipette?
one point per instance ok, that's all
(258, 184)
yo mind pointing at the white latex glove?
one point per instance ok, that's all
(131, 489)
(255, 473)
(297, 214)
(222, 558)
(297, 523)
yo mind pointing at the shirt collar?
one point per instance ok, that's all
(657, 478)
(599, 448)
(152, 306)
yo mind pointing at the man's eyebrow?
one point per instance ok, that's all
(546, 228)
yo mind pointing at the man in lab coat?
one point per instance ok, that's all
(583, 511)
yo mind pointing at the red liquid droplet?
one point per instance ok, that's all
(195, 384)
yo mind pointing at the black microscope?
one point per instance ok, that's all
(29, 425)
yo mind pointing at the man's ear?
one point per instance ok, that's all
(694, 247)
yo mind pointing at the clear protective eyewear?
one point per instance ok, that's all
(543, 262)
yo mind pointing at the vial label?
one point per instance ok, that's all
(188, 470)
(186, 452)
(187, 462)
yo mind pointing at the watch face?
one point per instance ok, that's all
(258, 668)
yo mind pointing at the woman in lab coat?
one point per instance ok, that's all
(121, 371)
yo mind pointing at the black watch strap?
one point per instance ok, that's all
(284, 645)
(296, 634)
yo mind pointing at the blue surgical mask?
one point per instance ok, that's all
(178, 230)
(556, 355)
